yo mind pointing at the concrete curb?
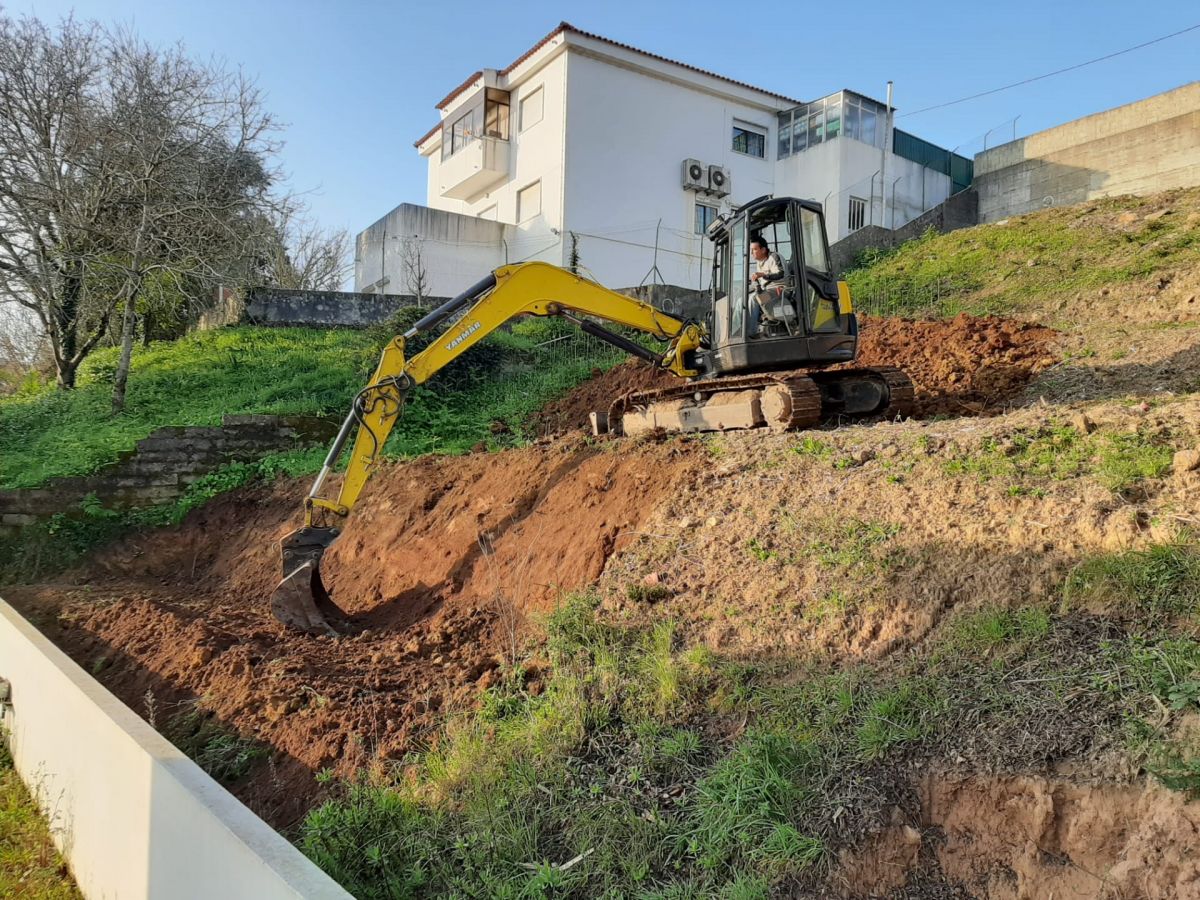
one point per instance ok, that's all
(133, 816)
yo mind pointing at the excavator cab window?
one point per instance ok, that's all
(779, 316)
(821, 302)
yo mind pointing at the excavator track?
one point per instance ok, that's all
(783, 401)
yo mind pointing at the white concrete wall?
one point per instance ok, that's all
(456, 250)
(628, 133)
(132, 815)
(536, 155)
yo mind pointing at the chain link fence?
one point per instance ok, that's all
(933, 300)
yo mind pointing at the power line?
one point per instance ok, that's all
(1050, 74)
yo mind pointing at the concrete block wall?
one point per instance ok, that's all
(162, 465)
(1140, 148)
(134, 818)
(960, 211)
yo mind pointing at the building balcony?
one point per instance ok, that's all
(480, 165)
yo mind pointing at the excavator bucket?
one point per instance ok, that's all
(301, 602)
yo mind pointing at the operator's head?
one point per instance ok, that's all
(758, 247)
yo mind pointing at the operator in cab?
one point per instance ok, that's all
(768, 269)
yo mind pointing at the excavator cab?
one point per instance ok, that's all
(804, 320)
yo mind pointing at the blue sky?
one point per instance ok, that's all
(356, 82)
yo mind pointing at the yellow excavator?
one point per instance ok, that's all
(762, 358)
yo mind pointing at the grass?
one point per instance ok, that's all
(221, 753)
(194, 381)
(29, 864)
(1119, 461)
(46, 433)
(640, 767)
(1163, 579)
(1027, 263)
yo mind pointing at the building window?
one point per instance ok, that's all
(495, 114)
(529, 201)
(749, 141)
(705, 216)
(858, 213)
(531, 109)
(462, 132)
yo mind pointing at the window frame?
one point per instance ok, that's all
(697, 219)
(861, 210)
(522, 99)
(521, 215)
(748, 128)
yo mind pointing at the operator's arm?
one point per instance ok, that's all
(537, 289)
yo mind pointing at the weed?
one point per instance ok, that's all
(852, 543)
(647, 593)
(220, 752)
(756, 549)
(814, 447)
(29, 864)
(1161, 580)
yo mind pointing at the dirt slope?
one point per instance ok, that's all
(1039, 448)
(441, 571)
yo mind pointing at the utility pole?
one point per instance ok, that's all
(887, 122)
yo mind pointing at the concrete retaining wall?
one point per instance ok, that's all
(960, 211)
(133, 816)
(1140, 148)
(332, 309)
(162, 466)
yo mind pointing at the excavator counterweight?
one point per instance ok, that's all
(771, 354)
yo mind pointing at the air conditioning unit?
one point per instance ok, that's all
(695, 175)
(719, 181)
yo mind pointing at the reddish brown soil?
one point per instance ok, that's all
(962, 366)
(968, 365)
(439, 568)
(597, 393)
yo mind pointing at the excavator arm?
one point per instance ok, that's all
(538, 289)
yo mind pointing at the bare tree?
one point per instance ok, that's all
(302, 256)
(120, 164)
(412, 267)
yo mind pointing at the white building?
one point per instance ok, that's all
(592, 152)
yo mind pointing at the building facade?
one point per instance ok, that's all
(589, 153)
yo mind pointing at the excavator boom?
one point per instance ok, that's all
(301, 600)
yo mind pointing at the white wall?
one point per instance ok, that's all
(628, 133)
(132, 815)
(536, 154)
(456, 250)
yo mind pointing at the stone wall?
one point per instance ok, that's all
(960, 211)
(1140, 148)
(326, 309)
(162, 466)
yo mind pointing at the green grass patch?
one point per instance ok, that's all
(1024, 264)
(194, 381)
(1161, 580)
(30, 866)
(1056, 453)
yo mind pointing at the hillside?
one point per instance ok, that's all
(954, 656)
(287, 371)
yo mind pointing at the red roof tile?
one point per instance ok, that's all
(568, 27)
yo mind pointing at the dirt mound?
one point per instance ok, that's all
(597, 393)
(965, 365)
(440, 566)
